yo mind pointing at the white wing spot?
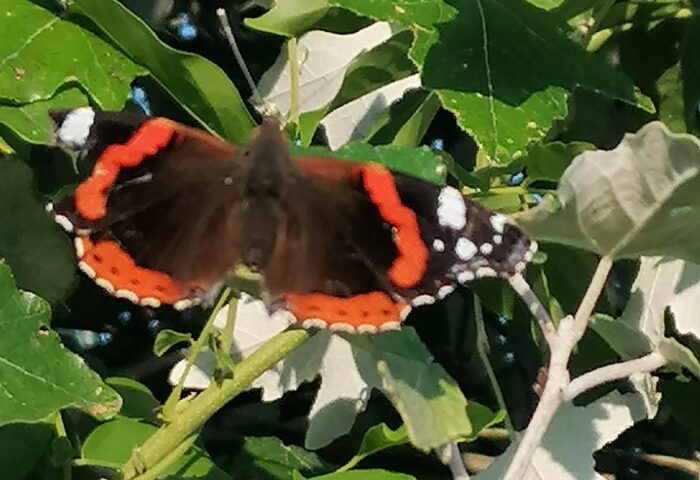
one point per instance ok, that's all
(340, 327)
(486, 248)
(464, 277)
(498, 222)
(465, 249)
(451, 211)
(75, 128)
(106, 284)
(150, 302)
(438, 245)
(497, 239)
(315, 323)
(183, 304)
(129, 295)
(444, 291)
(423, 300)
(482, 272)
(367, 329)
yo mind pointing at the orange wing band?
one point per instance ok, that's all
(408, 268)
(115, 271)
(152, 136)
(364, 313)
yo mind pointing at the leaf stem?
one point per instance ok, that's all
(198, 410)
(482, 347)
(522, 288)
(227, 332)
(162, 466)
(595, 287)
(293, 57)
(169, 409)
(616, 371)
(456, 464)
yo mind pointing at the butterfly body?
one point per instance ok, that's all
(167, 211)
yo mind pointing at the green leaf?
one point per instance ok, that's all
(289, 17)
(40, 255)
(690, 73)
(167, 338)
(408, 120)
(504, 97)
(626, 340)
(23, 446)
(482, 417)
(41, 51)
(138, 401)
(430, 403)
(269, 458)
(419, 162)
(638, 199)
(358, 475)
(548, 161)
(5, 148)
(199, 86)
(38, 376)
(376, 439)
(115, 441)
(30, 121)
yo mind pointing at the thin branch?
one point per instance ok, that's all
(459, 471)
(533, 303)
(561, 343)
(592, 293)
(482, 347)
(616, 371)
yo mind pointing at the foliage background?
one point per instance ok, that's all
(513, 91)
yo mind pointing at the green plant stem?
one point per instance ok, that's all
(294, 79)
(198, 410)
(162, 466)
(88, 462)
(482, 347)
(169, 409)
(227, 332)
(61, 433)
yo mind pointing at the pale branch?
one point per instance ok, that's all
(616, 371)
(522, 288)
(456, 464)
(562, 341)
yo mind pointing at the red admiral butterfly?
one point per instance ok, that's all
(168, 210)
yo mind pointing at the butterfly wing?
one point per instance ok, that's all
(153, 219)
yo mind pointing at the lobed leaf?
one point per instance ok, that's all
(638, 199)
(428, 400)
(566, 451)
(41, 51)
(115, 441)
(198, 85)
(38, 376)
(504, 97)
(40, 254)
(30, 121)
(289, 17)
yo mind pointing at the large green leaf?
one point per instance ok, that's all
(31, 122)
(41, 51)
(289, 17)
(115, 441)
(269, 458)
(419, 162)
(37, 374)
(505, 97)
(375, 474)
(23, 446)
(638, 199)
(690, 74)
(201, 87)
(40, 254)
(430, 403)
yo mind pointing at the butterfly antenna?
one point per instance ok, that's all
(228, 33)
